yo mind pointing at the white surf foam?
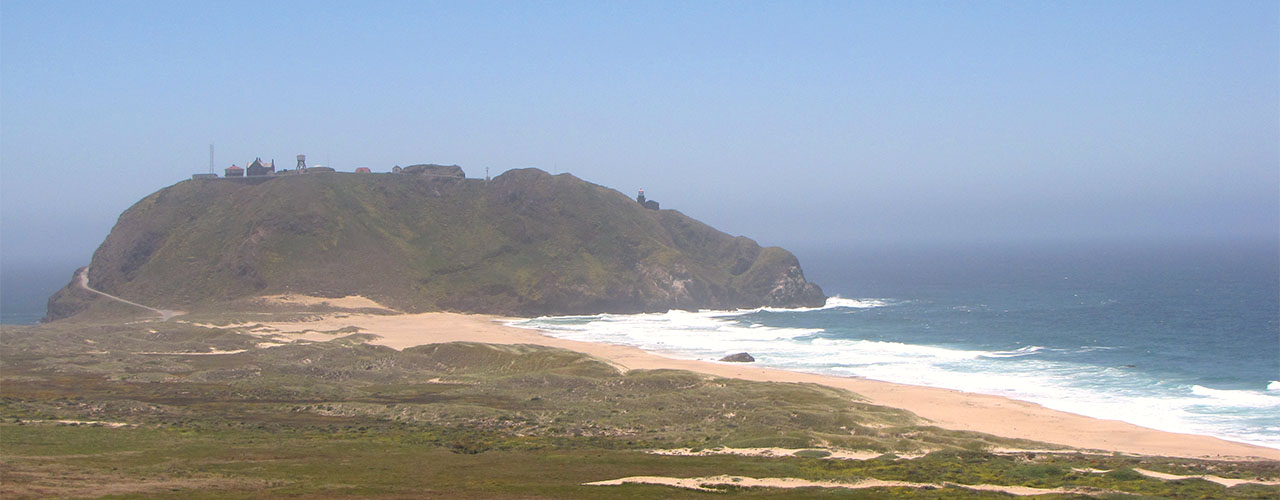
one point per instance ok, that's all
(1016, 353)
(837, 302)
(1236, 398)
(832, 303)
(1102, 392)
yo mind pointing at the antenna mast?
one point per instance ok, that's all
(211, 157)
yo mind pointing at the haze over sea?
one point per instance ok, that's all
(1179, 337)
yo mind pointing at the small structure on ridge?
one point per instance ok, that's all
(649, 204)
(259, 168)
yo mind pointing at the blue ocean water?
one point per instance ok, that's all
(25, 287)
(1183, 338)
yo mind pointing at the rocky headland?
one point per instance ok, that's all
(428, 239)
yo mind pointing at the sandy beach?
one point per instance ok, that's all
(945, 408)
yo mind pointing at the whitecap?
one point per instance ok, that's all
(1274, 385)
(832, 303)
(1236, 398)
(891, 350)
(1025, 351)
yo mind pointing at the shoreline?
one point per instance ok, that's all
(950, 409)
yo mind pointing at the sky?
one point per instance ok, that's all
(799, 124)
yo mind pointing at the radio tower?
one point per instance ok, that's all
(211, 157)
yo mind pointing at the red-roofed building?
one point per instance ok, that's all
(363, 170)
(234, 171)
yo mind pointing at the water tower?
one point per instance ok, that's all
(302, 162)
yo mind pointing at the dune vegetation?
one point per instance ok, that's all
(162, 409)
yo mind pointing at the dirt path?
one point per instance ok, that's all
(83, 279)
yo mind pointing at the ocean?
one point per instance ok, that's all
(25, 287)
(1175, 337)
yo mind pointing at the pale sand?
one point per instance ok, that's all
(1225, 481)
(113, 425)
(705, 483)
(214, 352)
(772, 452)
(945, 408)
(348, 302)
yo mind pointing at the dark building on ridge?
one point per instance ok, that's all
(258, 168)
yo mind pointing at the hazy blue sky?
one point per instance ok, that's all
(800, 124)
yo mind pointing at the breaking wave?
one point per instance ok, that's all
(822, 340)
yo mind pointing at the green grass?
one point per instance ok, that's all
(311, 462)
(464, 420)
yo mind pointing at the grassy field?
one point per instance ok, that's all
(109, 410)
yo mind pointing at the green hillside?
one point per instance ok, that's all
(525, 243)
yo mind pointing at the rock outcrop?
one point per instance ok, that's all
(435, 170)
(741, 357)
(526, 243)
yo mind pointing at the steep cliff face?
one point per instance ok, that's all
(68, 301)
(526, 243)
